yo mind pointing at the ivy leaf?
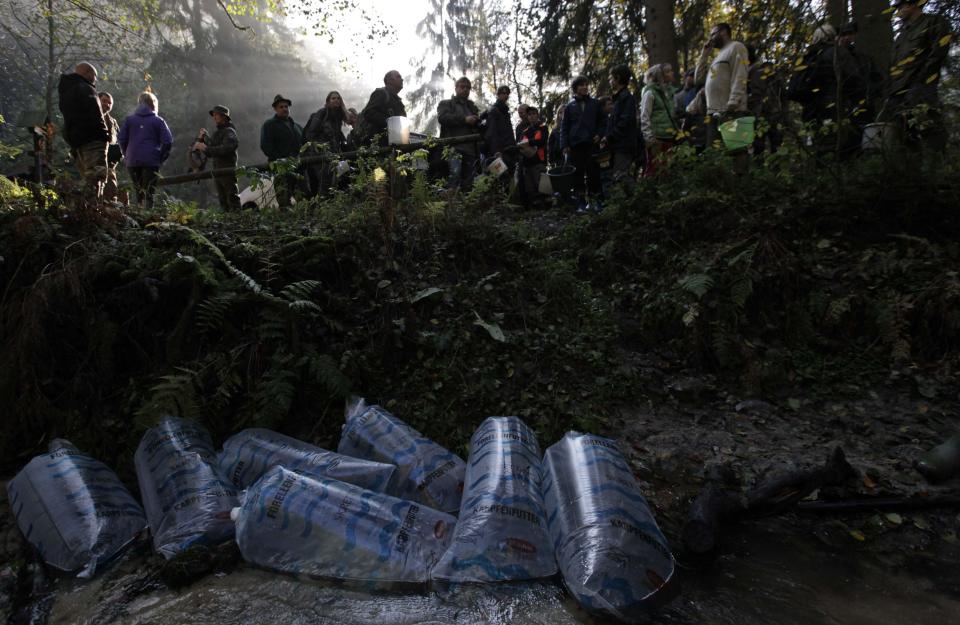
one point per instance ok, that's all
(492, 329)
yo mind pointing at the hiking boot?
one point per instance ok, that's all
(942, 462)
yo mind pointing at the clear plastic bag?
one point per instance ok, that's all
(501, 533)
(247, 455)
(613, 557)
(299, 523)
(426, 472)
(74, 509)
(186, 499)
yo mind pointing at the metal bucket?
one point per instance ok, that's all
(880, 137)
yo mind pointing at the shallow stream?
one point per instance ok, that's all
(781, 571)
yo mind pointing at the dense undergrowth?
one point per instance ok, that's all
(448, 311)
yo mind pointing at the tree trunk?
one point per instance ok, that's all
(836, 12)
(875, 36)
(51, 60)
(661, 39)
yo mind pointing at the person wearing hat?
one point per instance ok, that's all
(222, 146)
(919, 52)
(281, 137)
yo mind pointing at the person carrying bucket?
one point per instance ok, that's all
(580, 133)
(725, 80)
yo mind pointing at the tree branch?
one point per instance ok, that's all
(230, 17)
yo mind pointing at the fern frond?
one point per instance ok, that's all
(698, 284)
(323, 369)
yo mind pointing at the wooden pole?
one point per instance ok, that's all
(413, 147)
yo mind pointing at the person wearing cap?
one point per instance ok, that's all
(281, 137)
(222, 147)
(919, 52)
(459, 117)
(383, 103)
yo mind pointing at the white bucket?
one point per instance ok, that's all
(880, 136)
(497, 167)
(398, 130)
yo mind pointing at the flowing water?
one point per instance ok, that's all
(777, 572)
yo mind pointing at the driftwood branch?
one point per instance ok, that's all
(306, 160)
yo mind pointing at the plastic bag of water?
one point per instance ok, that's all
(247, 455)
(300, 523)
(613, 557)
(73, 509)
(501, 533)
(426, 472)
(186, 500)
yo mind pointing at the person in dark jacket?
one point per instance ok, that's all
(524, 123)
(919, 52)
(114, 155)
(828, 87)
(222, 147)
(554, 151)
(84, 127)
(145, 140)
(384, 102)
(533, 146)
(580, 134)
(459, 117)
(765, 102)
(281, 137)
(324, 131)
(499, 132)
(620, 135)
(870, 77)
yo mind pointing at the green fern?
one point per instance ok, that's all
(698, 284)
(323, 369)
(176, 395)
(275, 392)
(741, 290)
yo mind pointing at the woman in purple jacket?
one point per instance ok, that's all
(146, 141)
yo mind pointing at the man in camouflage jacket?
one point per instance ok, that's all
(918, 55)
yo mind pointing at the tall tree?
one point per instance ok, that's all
(875, 36)
(837, 12)
(661, 35)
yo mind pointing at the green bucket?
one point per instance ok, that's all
(738, 133)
